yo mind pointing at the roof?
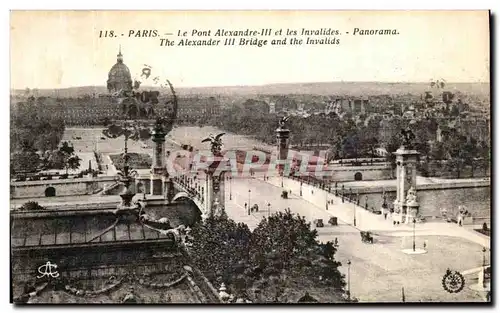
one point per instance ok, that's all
(119, 77)
(164, 280)
(98, 229)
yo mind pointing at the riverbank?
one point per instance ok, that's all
(423, 183)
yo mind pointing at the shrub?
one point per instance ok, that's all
(485, 227)
(31, 206)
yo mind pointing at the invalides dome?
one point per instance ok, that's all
(119, 77)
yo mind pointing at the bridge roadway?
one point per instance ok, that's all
(312, 206)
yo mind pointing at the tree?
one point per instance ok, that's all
(54, 159)
(72, 162)
(470, 153)
(351, 146)
(284, 249)
(438, 151)
(393, 144)
(25, 161)
(371, 143)
(455, 149)
(66, 148)
(281, 253)
(484, 156)
(221, 247)
(70, 159)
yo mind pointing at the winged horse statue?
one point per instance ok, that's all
(215, 143)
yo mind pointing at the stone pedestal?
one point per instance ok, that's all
(156, 182)
(215, 183)
(399, 211)
(158, 169)
(411, 211)
(406, 176)
(169, 190)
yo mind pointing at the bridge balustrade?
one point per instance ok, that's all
(345, 195)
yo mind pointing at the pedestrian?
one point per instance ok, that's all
(245, 205)
(394, 223)
(385, 215)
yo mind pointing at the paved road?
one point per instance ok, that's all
(263, 194)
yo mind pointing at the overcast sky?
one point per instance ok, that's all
(62, 49)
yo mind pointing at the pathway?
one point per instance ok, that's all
(368, 221)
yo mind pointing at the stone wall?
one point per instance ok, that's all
(367, 172)
(61, 187)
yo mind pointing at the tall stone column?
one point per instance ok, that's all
(158, 166)
(209, 192)
(406, 177)
(282, 136)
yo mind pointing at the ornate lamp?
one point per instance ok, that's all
(143, 116)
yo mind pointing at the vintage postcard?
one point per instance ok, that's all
(250, 157)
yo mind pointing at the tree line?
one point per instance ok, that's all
(35, 138)
(359, 136)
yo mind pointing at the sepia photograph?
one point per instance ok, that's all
(250, 157)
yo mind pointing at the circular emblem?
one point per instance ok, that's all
(453, 281)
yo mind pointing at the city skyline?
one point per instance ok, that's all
(80, 58)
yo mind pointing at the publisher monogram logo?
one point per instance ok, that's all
(48, 269)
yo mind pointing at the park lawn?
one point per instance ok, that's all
(136, 161)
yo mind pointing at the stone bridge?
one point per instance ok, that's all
(190, 187)
(187, 188)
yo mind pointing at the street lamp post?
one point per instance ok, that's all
(326, 200)
(268, 209)
(414, 222)
(230, 191)
(484, 264)
(354, 221)
(249, 192)
(349, 279)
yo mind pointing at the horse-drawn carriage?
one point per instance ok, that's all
(319, 222)
(284, 194)
(366, 237)
(333, 221)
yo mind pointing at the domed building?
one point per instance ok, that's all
(119, 77)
